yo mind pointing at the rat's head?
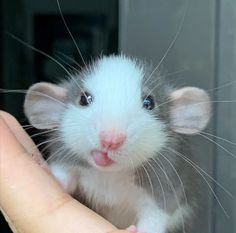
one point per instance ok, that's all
(109, 118)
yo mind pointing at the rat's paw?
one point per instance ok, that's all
(133, 229)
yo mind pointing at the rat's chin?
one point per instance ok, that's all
(101, 159)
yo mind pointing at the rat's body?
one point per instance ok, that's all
(118, 142)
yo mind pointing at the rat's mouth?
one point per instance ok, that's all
(101, 158)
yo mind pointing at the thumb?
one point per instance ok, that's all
(31, 198)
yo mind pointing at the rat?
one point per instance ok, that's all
(118, 134)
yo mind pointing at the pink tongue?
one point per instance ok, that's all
(101, 158)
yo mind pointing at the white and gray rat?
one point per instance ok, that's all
(116, 137)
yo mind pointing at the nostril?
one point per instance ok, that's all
(112, 140)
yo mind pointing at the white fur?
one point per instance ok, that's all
(151, 218)
(119, 192)
(115, 84)
(123, 202)
(59, 173)
(179, 217)
(67, 177)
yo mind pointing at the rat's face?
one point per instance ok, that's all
(111, 120)
(111, 124)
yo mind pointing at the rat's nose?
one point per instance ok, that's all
(112, 139)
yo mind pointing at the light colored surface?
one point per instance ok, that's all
(146, 30)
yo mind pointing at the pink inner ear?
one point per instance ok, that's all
(44, 110)
(190, 111)
(59, 92)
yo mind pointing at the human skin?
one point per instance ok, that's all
(31, 200)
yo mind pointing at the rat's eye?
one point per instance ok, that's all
(85, 99)
(148, 103)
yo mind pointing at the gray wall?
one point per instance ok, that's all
(206, 48)
(225, 163)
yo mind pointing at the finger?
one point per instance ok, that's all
(22, 137)
(31, 198)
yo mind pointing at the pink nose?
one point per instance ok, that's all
(111, 140)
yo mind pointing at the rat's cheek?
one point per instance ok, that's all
(148, 138)
(72, 129)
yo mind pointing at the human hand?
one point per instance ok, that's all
(30, 199)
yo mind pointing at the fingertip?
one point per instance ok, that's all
(22, 137)
(7, 116)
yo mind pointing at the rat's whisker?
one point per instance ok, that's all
(44, 132)
(172, 42)
(149, 179)
(55, 153)
(69, 58)
(217, 137)
(162, 76)
(46, 55)
(199, 103)
(19, 91)
(211, 189)
(31, 149)
(178, 176)
(72, 37)
(199, 169)
(204, 136)
(222, 147)
(159, 181)
(47, 141)
(39, 51)
(222, 86)
(66, 63)
(162, 168)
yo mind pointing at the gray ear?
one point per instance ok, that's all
(44, 104)
(190, 110)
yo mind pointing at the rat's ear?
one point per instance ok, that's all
(190, 110)
(44, 104)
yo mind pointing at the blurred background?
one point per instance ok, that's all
(204, 53)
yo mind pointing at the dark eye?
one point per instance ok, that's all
(85, 99)
(148, 103)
